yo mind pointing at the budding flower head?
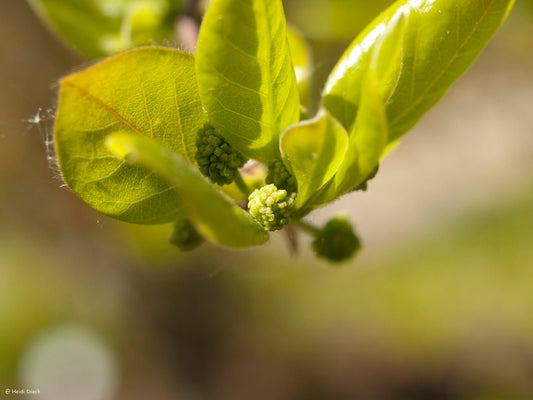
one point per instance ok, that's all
(185, 236)
(336, 241)
(280, 176)
(216, 158)
(271, 207)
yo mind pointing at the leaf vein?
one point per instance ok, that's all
(86, 93)
(445, 69)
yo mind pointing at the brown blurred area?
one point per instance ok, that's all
(31, 62)
(438, 306)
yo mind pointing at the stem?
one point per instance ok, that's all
(243, 187)
(308, 227)
(292, 239)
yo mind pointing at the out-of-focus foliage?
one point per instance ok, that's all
(103, 27)
(302, 61)
(36, 293)
(333, 20)
(455, 303)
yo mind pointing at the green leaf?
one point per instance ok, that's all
(245, 75)
(313, 150)
(216, 217)
(302, 62)
(436, 41)
(367, 143)
(149, 91)
(103, 27)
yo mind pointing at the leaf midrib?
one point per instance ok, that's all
(444, 70)
(115, 113)
(269, 50)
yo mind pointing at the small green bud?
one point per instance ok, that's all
(336, 241)
(271, 207)
(216, 158)
(280, 176)
(185, 236)
(364, 185)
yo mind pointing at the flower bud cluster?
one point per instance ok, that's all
(336, 241)
(271, 207)
(280, 176)
(216, 158)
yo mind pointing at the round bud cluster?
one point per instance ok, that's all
(280, 176)
(364, 185)
(216, 158)
(336, 241)
(185, 236)
(271, 207)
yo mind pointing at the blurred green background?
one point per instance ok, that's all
(439, 305)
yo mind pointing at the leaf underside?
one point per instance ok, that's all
(150, 92)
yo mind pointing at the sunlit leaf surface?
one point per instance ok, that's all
(436, 41)
(367, 143)
(245, 74)
(314, 149)
(151, 92)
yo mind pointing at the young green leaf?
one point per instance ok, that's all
(314, 150)
(102, 27)
(367, 143)
(245, 75)
(149, 91)
(436, 42)
(216, 217)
